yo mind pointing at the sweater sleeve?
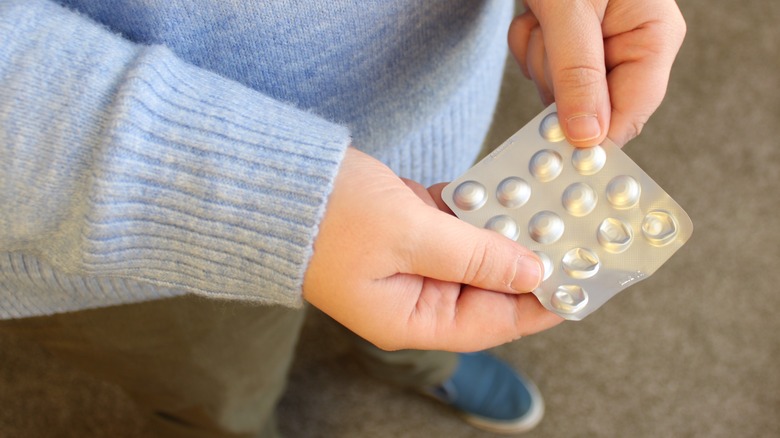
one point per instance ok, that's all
(122, 161)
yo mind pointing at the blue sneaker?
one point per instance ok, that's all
(490, 395)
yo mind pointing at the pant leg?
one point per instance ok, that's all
(196, 367)
(407, 368)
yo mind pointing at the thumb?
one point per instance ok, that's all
(575, 54)
(449, 249)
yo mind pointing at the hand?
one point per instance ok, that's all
(399, 272)
(605, 63)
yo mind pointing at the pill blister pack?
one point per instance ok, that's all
(597, 221)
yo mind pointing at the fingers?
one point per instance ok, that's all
(606, 65)
(526, 43)
(640, 50)
(446, 248)
(539, 67)
(473, 319)
(575, 53)
(519, 34)
(502, 317)
(638, 91)
(435, 193)
(478, 263)
(452, 250)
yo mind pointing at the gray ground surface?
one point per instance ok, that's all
(691, 352)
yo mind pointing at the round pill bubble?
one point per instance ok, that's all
(623, 191)
(546, 165)
(588, 161)
(659, 227)
(615, 235)
(580, 263)
(550, 128)
(513, 192)
(546, 264)
(579, 199)
(470, 195)
(569, 299)
(505, 225)
(545, 227)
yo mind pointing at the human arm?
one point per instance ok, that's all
(121, 161)
(605, 63)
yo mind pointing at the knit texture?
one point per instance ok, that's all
(156, 148)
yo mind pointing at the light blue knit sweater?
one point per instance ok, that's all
(152, 148)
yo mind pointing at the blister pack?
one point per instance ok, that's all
(597, 221)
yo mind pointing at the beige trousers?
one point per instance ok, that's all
(204, 368)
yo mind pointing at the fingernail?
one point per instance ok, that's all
(583, 127)
(528, 274)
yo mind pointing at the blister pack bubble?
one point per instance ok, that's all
(597, 221)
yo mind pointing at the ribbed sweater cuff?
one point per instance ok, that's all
(204, 185)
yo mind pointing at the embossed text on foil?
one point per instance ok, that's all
(639, 275)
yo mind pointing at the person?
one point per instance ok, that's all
(178, 177)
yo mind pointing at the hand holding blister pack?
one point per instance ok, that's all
(595, 219)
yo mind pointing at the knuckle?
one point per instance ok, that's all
(526, 21)
(518, 24)
(667, 33)
(479, 266)
(636, 128)
(633, 125)
(580, 77)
